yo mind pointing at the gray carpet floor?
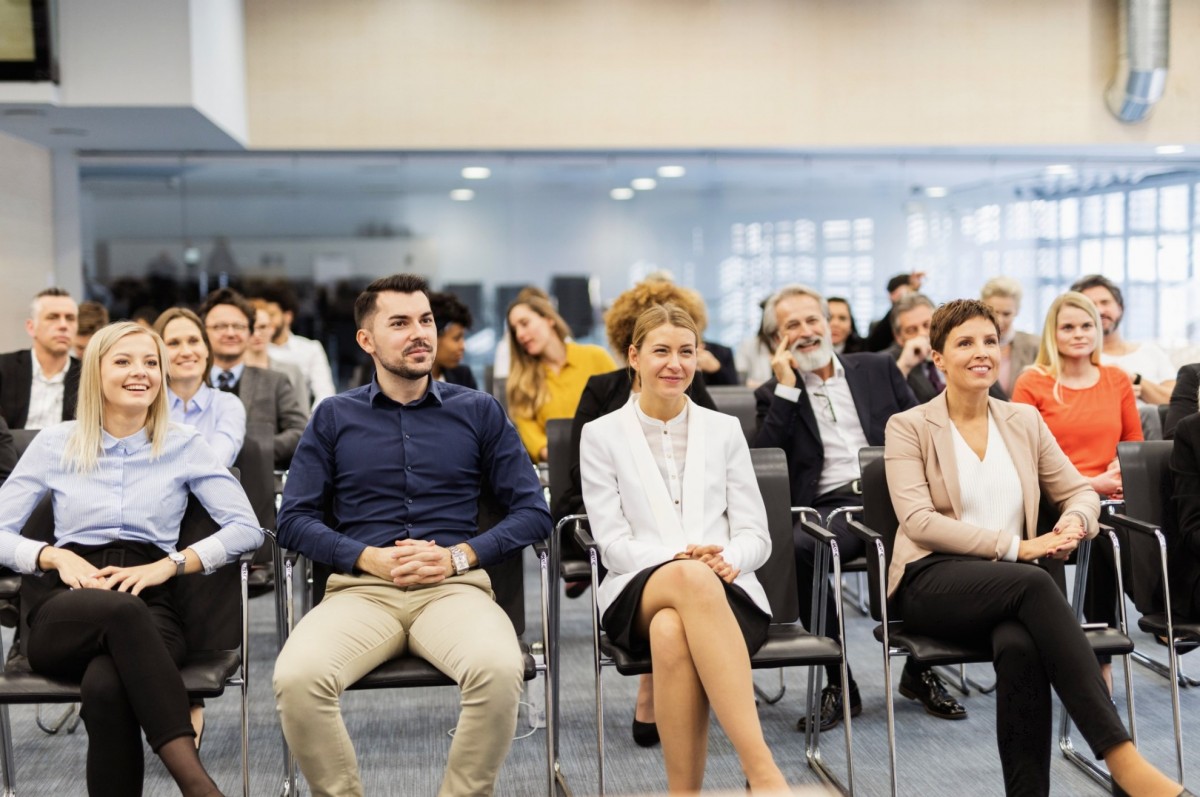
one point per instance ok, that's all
(402, 742)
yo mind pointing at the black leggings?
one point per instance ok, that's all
(1037, 643)
(125, 651)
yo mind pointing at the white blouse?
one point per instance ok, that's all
(668, 445)
(990, 488)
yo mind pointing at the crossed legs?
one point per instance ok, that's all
(364, 621)
(700, 661)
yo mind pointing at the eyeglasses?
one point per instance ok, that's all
(826, 405)
(228, 327)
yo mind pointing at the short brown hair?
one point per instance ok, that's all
(954, 314)
(365, 304)
(92, 316)
(232, 298)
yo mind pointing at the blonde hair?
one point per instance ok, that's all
(526, 388)
(1049, 361)
(653, 317)
(82, 451)
(626, 309)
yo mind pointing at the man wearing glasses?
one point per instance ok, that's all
(821, 408)
(268, 396)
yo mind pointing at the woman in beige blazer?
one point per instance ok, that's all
(674, 506)
(966, 474)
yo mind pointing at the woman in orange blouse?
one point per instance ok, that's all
(1090, 408)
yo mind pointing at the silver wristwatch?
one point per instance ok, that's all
(180, 561)
(458, 558)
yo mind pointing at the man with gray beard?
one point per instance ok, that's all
(821, 408)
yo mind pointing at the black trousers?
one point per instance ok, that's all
(1037, 644)
(125, 651)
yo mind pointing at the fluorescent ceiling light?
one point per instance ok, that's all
(1170, 149)
(935, 192)
(476, 173)
(671, 171)
(644, 183)
(621, 193)
(1060, 169)
(462, 194)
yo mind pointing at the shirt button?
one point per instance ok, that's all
(676, 501)
(410, 500)
(405, 437)
(409, 525)
(665, 431)
(408, 467)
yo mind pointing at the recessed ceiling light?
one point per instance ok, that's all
(644, 183)
(476, 173)
(462, 194)
(935, 192)
(1170, 149)
(1060, 169)
(621, 193)
(671, 171)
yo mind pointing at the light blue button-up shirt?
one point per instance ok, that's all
(129, 496)
(219, 417)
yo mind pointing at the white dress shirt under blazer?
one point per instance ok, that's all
(632, 515)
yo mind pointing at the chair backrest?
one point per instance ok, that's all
(879, 516)
(22, 438)
(739, 402)
(500, 390)
(256, 462)
(1149, 492)
(778, 575)
(558, 447)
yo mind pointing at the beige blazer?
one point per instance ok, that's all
(922, 477)
(633, 518)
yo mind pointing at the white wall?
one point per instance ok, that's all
(698, 73)
(26, 234)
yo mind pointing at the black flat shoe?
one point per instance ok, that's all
(928, 688)
(831, 707)
(645, 734)
(575, 589)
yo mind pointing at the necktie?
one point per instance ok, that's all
(935, 378)
(225, 381)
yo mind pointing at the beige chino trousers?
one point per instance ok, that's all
(362, 622)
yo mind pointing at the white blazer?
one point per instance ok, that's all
(631, 513)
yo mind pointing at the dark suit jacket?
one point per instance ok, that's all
(1183, 535)
(605, 393)
(16, 380)
(728, 374)
(8, 451)
(879, 392)
(923, 389)
(880, 334)
(271, 403)
(461, 375)
(1183, 398)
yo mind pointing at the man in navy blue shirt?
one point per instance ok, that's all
(384, 487)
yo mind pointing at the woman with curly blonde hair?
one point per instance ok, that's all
(548, 371)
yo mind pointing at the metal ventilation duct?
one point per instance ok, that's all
(1145, 26)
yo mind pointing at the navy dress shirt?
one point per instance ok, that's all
(369, 471)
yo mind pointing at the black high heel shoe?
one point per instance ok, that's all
(645, 734)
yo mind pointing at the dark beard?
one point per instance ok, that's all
(402, 370)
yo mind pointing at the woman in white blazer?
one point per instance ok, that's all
(674, 506)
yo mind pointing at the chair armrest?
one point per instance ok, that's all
(583, 535)
(804, 513)
(541, 547)
(877, 568)
(1131, 524)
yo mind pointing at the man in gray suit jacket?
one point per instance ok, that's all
(268, 396)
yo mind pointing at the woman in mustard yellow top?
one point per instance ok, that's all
(548, 371)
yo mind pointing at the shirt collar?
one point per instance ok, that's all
(200, 401)
(40, 376)
(433, 394)
(839, 372)
(236, 372)
(133, 443)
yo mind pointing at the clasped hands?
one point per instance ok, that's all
(78, 573)
(408, 563)
(711, 556)
(1056, 544)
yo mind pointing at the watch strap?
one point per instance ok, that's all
(458, 558)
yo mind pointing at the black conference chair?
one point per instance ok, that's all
(1149, 492)
(738, 401)
(788, 644)
(216, 614)
(878, 531)
(412, 671)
